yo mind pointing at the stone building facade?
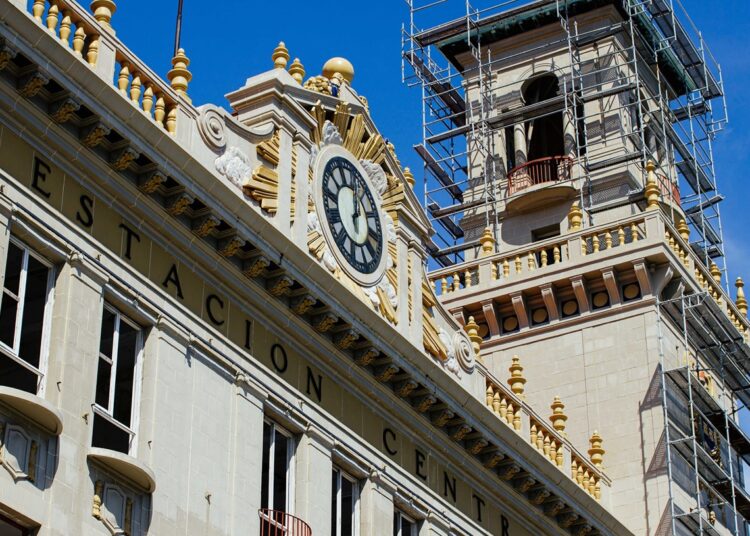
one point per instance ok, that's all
(219, 321)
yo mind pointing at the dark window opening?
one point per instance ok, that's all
(544, 134)
(11, 528)
(275, 473)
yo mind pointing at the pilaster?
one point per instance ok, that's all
(376, 507)
(284, 215)
(313, 486)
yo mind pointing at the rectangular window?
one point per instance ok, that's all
(277, 470)
(344, 505)
(25, 311)
(10, 528)
(403, 525)
(117, 385)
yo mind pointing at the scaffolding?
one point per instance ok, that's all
(652, 71)
(701, 395)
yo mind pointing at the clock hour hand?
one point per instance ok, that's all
(356, 199)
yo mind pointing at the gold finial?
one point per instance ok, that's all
(280, 56)
(179, 76)
(715, 273)
(741, 301)
(340, 66)
(103, 11)
(488, 243)
(297, 70)
(516, 380)
(652, 188)
(558, 416)
(596, 452)
(575, 217)
(683, 229)
(472, 330)
(409, 176)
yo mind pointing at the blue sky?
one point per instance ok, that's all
(229, 41)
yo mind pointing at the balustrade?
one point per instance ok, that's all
(82, 33)
(548, 438)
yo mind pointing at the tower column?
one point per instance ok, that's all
(519, 142)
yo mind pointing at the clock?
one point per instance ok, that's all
(352, 220)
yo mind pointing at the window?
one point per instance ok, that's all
(117, 388)
(276, 479)
(344, 505)
(10, 528)
(403, 525)
(25, 310)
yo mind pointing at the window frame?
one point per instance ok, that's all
(13, 352)
(415, 525)
(290, 458)
(108, 412)
(340, 476)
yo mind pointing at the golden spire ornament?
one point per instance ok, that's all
(652, 188)
(280, 56)
(741, 301)
(297, 70)
(179, 76)
(575, 217)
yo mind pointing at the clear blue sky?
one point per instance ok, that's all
(231, 40)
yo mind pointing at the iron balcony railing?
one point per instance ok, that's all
(278, 523)
(539, 171)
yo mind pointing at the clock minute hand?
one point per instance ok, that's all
(356, 199)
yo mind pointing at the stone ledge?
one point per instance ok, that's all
(131, 468)
(33, 408)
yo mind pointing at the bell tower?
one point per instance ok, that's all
(568, 158)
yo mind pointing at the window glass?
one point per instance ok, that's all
(403, 525)
(347, 507)
(127, 352)
(9, 528)
(23, 313)
(281, 464)
(267, 433)
(35, 301)
(120, 346)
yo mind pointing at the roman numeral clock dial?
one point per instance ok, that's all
(352, 214)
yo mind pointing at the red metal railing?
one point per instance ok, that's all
(277, 523)
(539, 171)
(669, 189)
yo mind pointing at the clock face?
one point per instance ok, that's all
(352, 215)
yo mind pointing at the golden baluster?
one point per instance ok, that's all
(620, 235)
(579, 476)
(148, 99)
(444, 285)
(595, 243)
(53, 14)
(553, 451)
(172, 119)
(559, 458)
(531, 261)
(556, 254)
(489, 396)
(597, 490)
(456, 282)
(79, 38)
(467, 278)
(532, 433)
(493, 271)
(38, 10)
(592, 485)
(65, 25)
(608, 240)
(573, 469)
(497, 402)
(509, 413)
(517, 420)
(124, 78)
(159, 110)
(502, 408)
(633, 232)
(518, 264)
(103, 11)
(92, 56)
(135, 88)
(540, 440)
(544, 258)
(506, 268)
(546, 445)
(584, 246)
